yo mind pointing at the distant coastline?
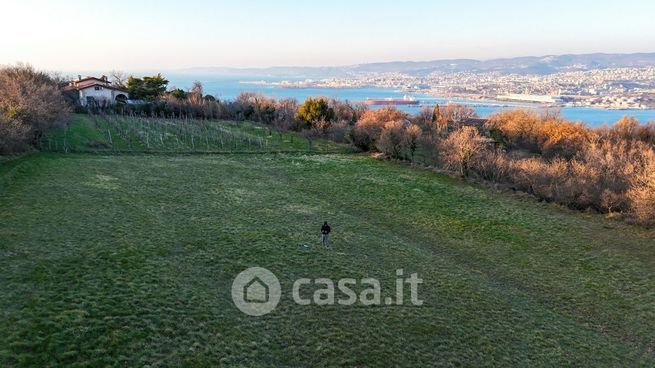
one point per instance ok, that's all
(505, 103)
(573, 101)
(228, 88)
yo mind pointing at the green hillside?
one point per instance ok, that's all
(128, 260)
(125, 134)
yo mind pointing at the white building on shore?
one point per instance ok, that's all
(530, 98)
(96, 91)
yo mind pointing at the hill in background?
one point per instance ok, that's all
(522, 65)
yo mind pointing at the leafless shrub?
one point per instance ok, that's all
(391, 141)
(339, 131)
(456, 114)
(30, 105)
(285, 112)
(642, 190)
(411, 139)
(628, 128)
(369, 128)
(323, 126)
(516, 127)
(493, 166)
(548, 134)
(14, 136)
(461, 148)
(424, 120)
(345, 111)
(605, 176)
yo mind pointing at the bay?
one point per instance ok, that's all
(225, 88)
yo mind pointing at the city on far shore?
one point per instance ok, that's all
(612, 88)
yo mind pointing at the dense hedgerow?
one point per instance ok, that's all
(30, 105)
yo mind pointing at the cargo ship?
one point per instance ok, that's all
(391, 101)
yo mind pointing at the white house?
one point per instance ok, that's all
(97, 91)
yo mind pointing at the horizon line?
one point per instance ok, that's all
(417, 61)
(187, 68)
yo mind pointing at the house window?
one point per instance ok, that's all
(98, 88)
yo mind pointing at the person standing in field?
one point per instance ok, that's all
(325, 234)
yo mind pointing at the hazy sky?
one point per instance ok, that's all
(70, 35)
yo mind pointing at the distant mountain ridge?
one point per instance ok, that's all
(522, 65)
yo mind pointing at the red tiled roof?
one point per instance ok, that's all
(92, 84)
(90, 78)
(89, 82)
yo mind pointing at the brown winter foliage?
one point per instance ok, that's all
(641, 194)
(455, 114)
(391, 139)
(30, 105)
(368, 129)
(608, 170)
(628, 128)
(440, 119)
(461, 148)
(547, 134)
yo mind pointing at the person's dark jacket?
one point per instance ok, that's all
(325, 229)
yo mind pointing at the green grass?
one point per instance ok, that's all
(113, 133)
(128, 260)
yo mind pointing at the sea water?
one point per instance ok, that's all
(225, 88)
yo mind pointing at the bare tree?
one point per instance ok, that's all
(30, 98)
(461, 147)
(118, 78)
(14, 136)
(642, 191)
(391, 139)
(195, 95)
(456, 113)
(369, 127)
(285, 112)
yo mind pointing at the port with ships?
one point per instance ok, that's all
(392, 101)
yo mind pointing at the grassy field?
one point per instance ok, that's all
(119, 134)
(128, 260)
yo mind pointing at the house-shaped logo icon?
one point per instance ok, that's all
(256, 291)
